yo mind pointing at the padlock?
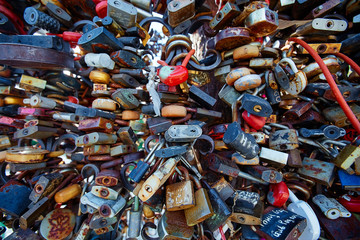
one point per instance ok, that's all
(127, 135)
(108, 178)
(183, 133)
(267, 174)
(224, 16)
(95, 138)
(180, 195)
(157, 179)
(99, 40)
(127, 59)
(347, 157)
(124, 13)
(173, 225)
(298, 84)
(106, 208)
(250, 215)
(282, 224)
(135, 219)
(278, 194)
(104, 104)
(320, 171)
(125, 80)
(67, 193)
(105, 192)
(221, 210)
(274, 157)
(247, 82)
(99, 60)
(256, 105)
(202, 209)
(262, 22)
(283, 140)
(223, 188)
(240, 141)
(246, 52)
(201, 97)
(45, 185)
(337, 116)
(126, 99)
(97, 124)
(32, 84)
(180, 11)
(256, 122)
(143, 166)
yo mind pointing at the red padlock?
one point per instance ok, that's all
(256, 122)
(278, 194)
(174, 75)
(350, 202)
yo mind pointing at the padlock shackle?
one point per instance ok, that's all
(185, 172)
(187, 58)
(196, 181)
(291, 63)
(293, 197)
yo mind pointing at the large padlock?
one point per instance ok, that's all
(202, 209)
(180, 195)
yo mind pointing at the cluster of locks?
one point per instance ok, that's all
(258, 140)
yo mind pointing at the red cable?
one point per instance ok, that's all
(349, 61)
(340, 99)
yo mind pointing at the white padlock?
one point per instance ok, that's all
(312, 230)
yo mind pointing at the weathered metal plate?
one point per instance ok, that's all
(58, 224)
(32, 57)
(320, 171)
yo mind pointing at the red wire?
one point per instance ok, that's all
(340, 99)
(349, 61)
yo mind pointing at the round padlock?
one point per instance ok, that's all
(236, 74)
(247, 82)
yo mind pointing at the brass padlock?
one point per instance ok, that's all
(180, 195)
(202, 209)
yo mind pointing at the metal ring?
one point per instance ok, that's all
(62, 138)
(207, 139)
(180, 56)
(159, 20)
(210, 67)
(143, 232)
(177, 37)
(124, 178)
(3, 178)
(80, 24)
(40, 143)
(148, 140)
(89, 170)
(175, 44)
(197, 23)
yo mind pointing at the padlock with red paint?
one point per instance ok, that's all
(174, 75)
(278, 194)
(256, 122)
(350, 202)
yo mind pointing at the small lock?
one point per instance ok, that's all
(68, 193)
(320, 171)
(157, 179)
(124, 13)
(173, 225)
(256, 105)
(135, 219)
(224, 16)
(246, 52)
(183, 133)
(262, 22)
(32, 84)
(282, 140)
(180, 11)
(127, 135)
(107, 178)
(99, 60)
(45, 185)
(202, 209)
(180, 195)
(298, 84)
(126, 99)
(96, 124)
(240, 141)
(95, 138)
(247, 82)
(105, 192)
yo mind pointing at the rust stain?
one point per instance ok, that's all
(60, 225)
(314, 169)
